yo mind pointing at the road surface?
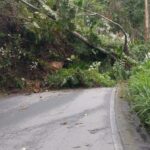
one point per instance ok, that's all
(64, 120)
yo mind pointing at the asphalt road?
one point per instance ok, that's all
(62, 120)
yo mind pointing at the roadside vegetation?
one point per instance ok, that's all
(139, 91)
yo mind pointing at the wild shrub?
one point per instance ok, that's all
(75, 77)
(119, 70)
(139, 91)
(139, 50)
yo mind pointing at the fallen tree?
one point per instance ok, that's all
(54, 16)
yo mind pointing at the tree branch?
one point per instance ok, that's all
(50, 15)
(29, 5)
(121, 28)
(85, 40)
(126, 51)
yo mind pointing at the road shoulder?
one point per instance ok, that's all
(133, 135)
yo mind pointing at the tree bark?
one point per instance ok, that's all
(147, 27)
(85, 40)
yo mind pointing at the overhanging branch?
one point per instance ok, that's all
(34, 8)
(85, 40)
(30, 5)
(126, 51)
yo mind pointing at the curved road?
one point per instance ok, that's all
(62, 120)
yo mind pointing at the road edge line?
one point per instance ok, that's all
(114, 129)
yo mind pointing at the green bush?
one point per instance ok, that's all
(139, 91)
(78, 78)
(94, 78)
(140, 50)
(119, 70)
(10, 82)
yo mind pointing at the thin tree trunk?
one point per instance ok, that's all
(147, 34)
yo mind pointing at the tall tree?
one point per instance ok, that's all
(147, 35)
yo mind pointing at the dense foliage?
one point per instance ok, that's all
(130, 13)
(33, 37)
(139, 91)
(58, 40)
(76, 77)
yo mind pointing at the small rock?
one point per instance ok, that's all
(64, 123)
